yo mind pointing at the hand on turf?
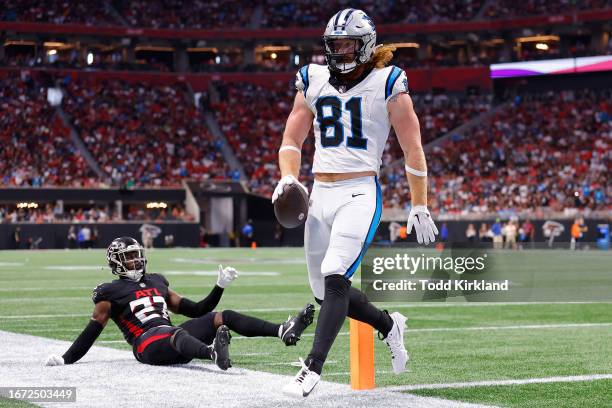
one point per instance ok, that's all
(285, 181)
(424, 226)
(54, 360)
(226, 276)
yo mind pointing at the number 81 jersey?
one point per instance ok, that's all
(136, 306)
(351, 126)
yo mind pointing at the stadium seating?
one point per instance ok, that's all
(57, 12)
(200, 14)
(311, 14)
(90, 214)
(142, 134)
(36, 146)
(510, 8)
(550, 150)
(193, 14)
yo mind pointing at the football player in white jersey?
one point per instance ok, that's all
(352, 104)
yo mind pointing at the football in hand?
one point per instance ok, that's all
(291, 208)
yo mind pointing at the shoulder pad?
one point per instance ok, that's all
(302, 80)
(397, 82)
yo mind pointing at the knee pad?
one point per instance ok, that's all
(228, 317)
(337, 285)
(177, 338)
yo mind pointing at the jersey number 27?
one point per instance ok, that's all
(334, 104)
(147, 308)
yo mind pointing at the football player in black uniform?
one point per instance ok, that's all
(138, 302)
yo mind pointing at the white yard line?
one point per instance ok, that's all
(545, 380)
(480, 328)
(189, 385)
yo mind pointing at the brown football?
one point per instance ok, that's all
(291, 208)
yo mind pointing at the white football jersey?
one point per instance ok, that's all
(351, 127)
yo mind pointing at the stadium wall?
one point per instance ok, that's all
(420, 80)
(55, 236)
(266, 231)
(304, 33)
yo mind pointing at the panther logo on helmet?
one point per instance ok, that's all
(350, 39)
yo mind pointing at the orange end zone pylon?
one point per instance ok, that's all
(362, 355)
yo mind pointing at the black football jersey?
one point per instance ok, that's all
(136, 306)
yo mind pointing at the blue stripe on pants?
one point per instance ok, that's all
(371, 231)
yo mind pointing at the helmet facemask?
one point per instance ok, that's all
(343, 53)
(129, 263)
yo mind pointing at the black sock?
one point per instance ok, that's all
(249, 326)
(331, 318)
(361, 309)
(189, 346)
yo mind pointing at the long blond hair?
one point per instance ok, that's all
(382, 56)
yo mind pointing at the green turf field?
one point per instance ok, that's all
(47, 293)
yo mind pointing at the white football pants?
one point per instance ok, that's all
(342, 220)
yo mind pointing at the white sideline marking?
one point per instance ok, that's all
(44, 316)
(343, 373)
(477, 328)
(188, 385)
(6, 264)
(45, 289)
(545, 380)
(216, 272)
(75, 268)
(240, 261)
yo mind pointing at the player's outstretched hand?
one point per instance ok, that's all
(226, 276)
(285, 181)
(424, 226)
(54, 360)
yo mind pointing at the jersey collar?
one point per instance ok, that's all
(344, 86)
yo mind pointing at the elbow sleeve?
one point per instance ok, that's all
(190, 308)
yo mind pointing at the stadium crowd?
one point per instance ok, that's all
(180, 14)
(144, 135)
(36, 149)
(49, 213)
(200, 14)
(510, 8)
(57, 12)
(549, 150)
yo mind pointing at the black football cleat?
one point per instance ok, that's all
(293, 328)
(220, 348)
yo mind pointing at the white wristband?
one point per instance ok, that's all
(288, 147)
(416, 172)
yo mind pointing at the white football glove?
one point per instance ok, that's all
(226, 276)
(285, 181)
(54, 360)
(424, 226)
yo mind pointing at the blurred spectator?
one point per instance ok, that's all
(470, 233)
(144, 135)
(496, 230)
(36, 146)
(57, 12)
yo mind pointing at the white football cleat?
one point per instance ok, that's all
(303, 383)
(395, 341)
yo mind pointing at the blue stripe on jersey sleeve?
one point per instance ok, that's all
(391, 79)
(304, 75)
